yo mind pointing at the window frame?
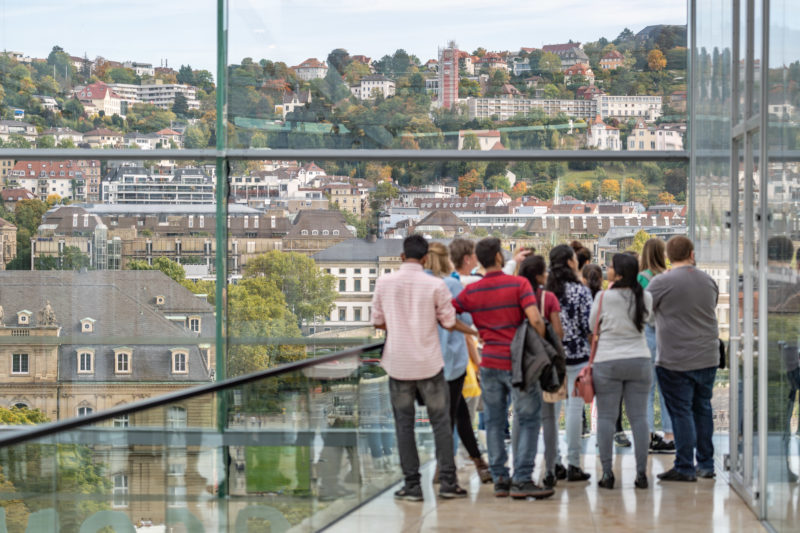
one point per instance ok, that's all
(80, 352)
(27, 364)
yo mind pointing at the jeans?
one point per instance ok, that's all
(496, 386)
(666, 422)
(459, 416)
(613, 381)
(436, 396)
(574, 417)
(688, 398)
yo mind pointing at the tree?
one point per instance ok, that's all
(166, 265)
(52, 199)
(28, 214)
(73, 259)
(639, 239)
(665, 198)
(186, 75)
(470, 142)
(46, 141)
(469, 182)
(549, 63)
(609, 189)
(66, 142)
(656, 60)
(499, 182)
(309, 292)
(675, 181)
(181, 105)
(634, 190)
(73, 108)
(197, 137)
(519, 189)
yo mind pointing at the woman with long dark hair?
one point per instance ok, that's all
(576, 302)
(534, 269)
(621, 367)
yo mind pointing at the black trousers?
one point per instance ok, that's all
(459, 416)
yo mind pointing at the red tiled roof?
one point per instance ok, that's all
(312, 62)
(167, 131)
(96, 91)
(613, 54)
(102, 131)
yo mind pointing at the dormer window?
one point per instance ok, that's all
(160, 299)
(87, 325)
(85, 360)
(24, 317)
(180, 361)
(304, 232)
(122, 360)
(194, 324)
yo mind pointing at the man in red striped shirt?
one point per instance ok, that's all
(499, 303)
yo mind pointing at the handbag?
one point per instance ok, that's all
(584, 386)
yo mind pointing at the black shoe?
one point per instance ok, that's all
(706, 473)
(607, 481)
(574, 473)
(549, 480)
(621, 440)
(411, 494)
(674, 475)
(561, 472)
(791, 477)
(659, 445)
(529, 489)
(641, 481)
(501, 488)
(452, 492)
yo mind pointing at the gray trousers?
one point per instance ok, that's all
(629, 379)
(435, 393)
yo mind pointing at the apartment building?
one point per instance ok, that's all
(506, 108)
(161, 95)
(103, 97)
(16, 127)
(136, 185)
(347, 197)
(373, 85)
(311, 68)
(646, 137)
(648, 108)
(67, 179)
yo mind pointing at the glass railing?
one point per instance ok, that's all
(294, 447)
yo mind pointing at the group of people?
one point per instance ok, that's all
(650, 327)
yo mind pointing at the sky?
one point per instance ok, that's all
(184, 31)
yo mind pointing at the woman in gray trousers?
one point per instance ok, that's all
(622, 367)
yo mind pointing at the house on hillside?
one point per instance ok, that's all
(442, 222)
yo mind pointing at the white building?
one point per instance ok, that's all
(356, 264)
(373, 85)
(135, 185)
(161, 95)
(44, 178)
(625, 107)
(311, 68)
(141, 69)
(602, 136)
(506, 108)
(645, 137)
(15, 127)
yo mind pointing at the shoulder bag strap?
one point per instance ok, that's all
(596, 335)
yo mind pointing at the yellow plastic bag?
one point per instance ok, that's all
(471, 388)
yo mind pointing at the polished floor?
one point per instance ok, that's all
(708, 506)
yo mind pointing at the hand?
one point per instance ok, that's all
(520, 256)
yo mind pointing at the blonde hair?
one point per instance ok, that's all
(438, 260)
(653, 256)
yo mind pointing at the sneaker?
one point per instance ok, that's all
(334, 493)
(561, 472)
(501, 488)
(452, 492)
(706, 473)
(411, 494)
(529, 489)
(674, 475)
(549, 480)
(621, 440)
(575, 473)
(659, 445)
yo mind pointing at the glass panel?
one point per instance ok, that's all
(783, 284)
(295, 450)
(485, 90)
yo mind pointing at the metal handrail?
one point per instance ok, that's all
(46, 430)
